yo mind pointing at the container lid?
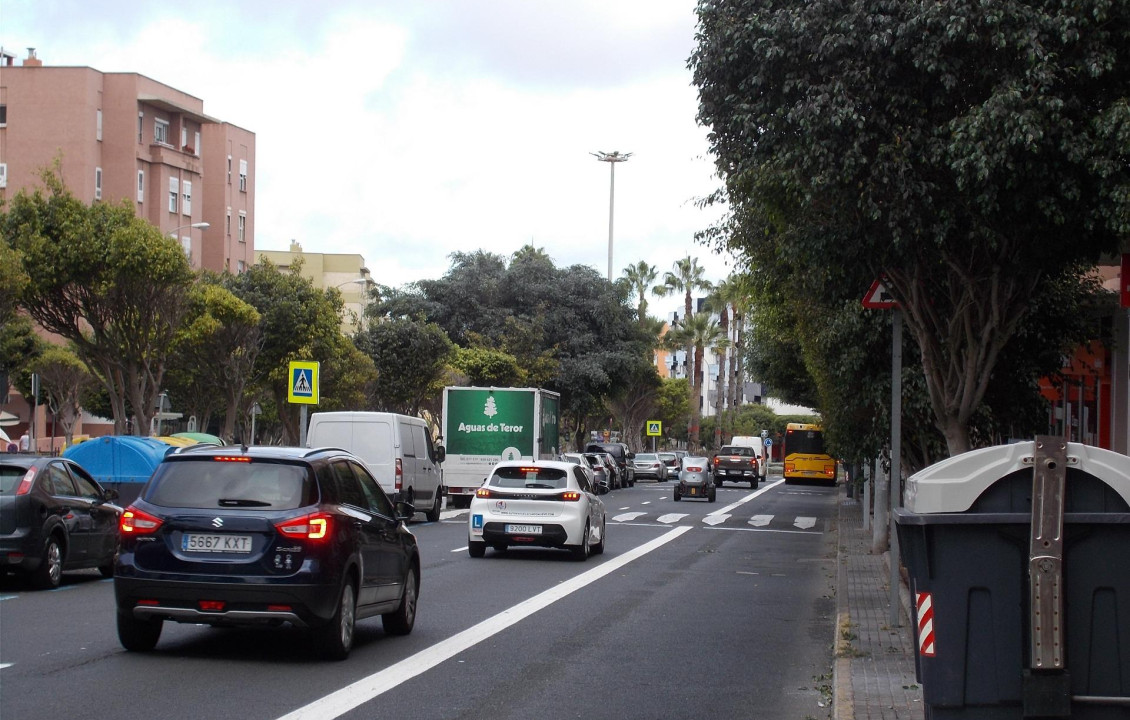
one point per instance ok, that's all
(954, 484)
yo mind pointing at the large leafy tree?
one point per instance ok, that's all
(410, 357)
(970, 153)
(108, 282)
(65, 379)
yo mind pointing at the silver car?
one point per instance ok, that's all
(695, 480)
(650, 465)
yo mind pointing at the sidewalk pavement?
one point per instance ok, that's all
(873, 677)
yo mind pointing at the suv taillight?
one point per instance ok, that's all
(399, 473)
(136, 522)
(315, 526)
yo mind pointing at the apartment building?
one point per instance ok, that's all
(123, 136)
(344, 271)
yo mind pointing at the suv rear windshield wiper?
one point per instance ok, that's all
(242, 502)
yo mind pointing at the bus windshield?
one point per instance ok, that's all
(806, 442)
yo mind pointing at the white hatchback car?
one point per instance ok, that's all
(542, 503)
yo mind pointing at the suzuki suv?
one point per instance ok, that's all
(265, 536)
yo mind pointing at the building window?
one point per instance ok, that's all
(243, 176)
(174, 192)
(97, 183)
(140, 127)
(227, 224)
(183, 137)
(3, 175)
(242, 226)
(161, 132)
(186, 194)
(229, 169)
(3, 116)
(186, 243)
(141, 186)
(240, 266)
(98, 126)
(196, 146)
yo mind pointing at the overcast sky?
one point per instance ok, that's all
(408, 130)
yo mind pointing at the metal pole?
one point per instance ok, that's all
(896, 456)
(302, 427)
(611, 208)
(867, 498)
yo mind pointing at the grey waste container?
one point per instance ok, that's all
(1017, 619)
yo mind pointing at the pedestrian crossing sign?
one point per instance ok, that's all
(303, 385)
(654, 428)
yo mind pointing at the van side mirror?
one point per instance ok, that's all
(441, 453)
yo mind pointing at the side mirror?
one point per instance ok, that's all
(405, 510)
(441, 453)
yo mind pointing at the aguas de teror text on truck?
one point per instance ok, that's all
(483, 426)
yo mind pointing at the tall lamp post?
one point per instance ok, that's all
(611, 158)
(193, 226)
(357, 281)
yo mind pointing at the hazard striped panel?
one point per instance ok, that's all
(925, 603)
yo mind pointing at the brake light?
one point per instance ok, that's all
(315, 526)
(211, 605)
(482, 492)
(790, 467)
(232, 458)
(136, 522)
(399, 473)
(25, 483)
(571, 496)
(693, 469)
(715, 460)
(830, 470)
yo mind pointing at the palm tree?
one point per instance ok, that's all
(698, 333)
(687, 277)
(638, 278)
(732, 294)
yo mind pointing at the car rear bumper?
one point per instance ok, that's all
(244, 604)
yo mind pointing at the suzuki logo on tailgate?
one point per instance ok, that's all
(217, 522)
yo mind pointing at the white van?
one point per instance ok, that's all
(397, 449)
(758, 446)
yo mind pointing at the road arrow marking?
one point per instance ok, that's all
(627, 517)
(760, 520)
(672, 517)
(805, 523)
(715, 519)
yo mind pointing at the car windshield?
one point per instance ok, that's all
(596, 461)
(736, 450)
(10, 476)
(513, 476)
(647, 457)
(668, 458)
(208, 483)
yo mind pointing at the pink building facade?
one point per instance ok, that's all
(123, 136)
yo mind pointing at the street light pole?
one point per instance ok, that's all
(611, 158)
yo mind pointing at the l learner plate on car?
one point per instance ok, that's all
(197, 542)
(524, 529)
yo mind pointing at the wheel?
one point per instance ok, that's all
(50, 571)
(401, 620)
(581, 552)
(598, 549)
(137, 635)
(712, 496)
(718, 482)
(677, 497)
(752, 482)
(107, 570)
(476, 549)
(335, 638)
(437, 505)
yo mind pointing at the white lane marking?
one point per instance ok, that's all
(627, 517)
(760, 520)
(351, 696)
(804, 523)
(459, 549)
(8, 597)
(449, 514)
(5, 665)
(629, 507)
(715, 519)
(646, 502)
(746, 572)
(747, 498)
(671, 517)
(767, 530)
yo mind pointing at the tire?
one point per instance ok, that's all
(401, 620)
(712, 496)
(50, 571)
(335, 638)
(476, 549)
(598, 549)
(432, 515)
(718, 482)
(137, 635)
(107, 570)
(752, 483)
(581, 552)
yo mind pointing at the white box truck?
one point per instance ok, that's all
(485, 425)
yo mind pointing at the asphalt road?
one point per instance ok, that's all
(695, 610)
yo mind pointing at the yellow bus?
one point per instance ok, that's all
(805, 456)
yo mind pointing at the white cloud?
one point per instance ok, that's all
(408, 131)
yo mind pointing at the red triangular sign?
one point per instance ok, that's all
(879, 298)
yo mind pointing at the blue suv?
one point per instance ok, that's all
(265, 536)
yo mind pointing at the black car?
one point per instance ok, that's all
(621, 455)
(265, 536)
(54, 517)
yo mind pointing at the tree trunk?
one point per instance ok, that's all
(696, 410)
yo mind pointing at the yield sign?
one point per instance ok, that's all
(878, 297)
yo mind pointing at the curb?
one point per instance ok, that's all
(843, 699)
